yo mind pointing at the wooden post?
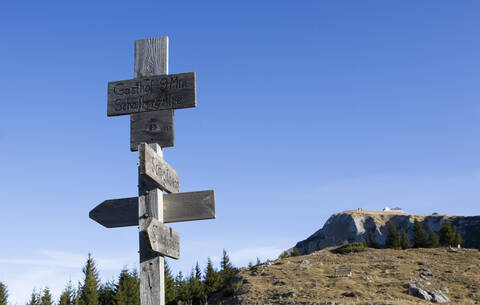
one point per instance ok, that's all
(151, 58)
(152, 281)
(150, 128)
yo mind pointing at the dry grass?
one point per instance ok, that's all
(379, 277)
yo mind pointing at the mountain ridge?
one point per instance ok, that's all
(355, 225)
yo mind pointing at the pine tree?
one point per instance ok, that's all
(393, 239)
(106, 293)
(198, 272)
(182, 288)
(404, 242)
(225, 264)
(433, 239)
(46, 298)
(458, 239)
(177, 281)
(227, 270)
(169, 285)
(372, 242)
(211, 278)
(128, 289)
(67, 296)
(34, 298)
(89, 288)
(77, 294)
(420, 236)
(447, 234)
(3, 294)
(196, 287)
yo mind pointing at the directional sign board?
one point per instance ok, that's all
(152, 127)
(162, 239)
(176, 207)
(150, 98)
(172, 91)
(154, 167)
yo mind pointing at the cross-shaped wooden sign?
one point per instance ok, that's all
(150, 99)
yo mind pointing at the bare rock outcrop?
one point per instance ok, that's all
(356, 225)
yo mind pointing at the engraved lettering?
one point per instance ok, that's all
(151, 94)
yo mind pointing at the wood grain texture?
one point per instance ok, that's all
(154, 167)
(152, 127)
(177, 207)
(152, 280)
(153, 93)
(189, 206)
(116, 213)
(151, 56)
(162, 239)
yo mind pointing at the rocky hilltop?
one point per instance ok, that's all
(355, 225)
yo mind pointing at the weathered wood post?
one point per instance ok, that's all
(150, 99)
(150, 204)
(151, 58)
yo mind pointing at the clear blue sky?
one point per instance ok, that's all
(304, 109)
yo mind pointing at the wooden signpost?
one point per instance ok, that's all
(177, 207)
(153, 167)
(162, 239)
(151, 93)
(150, 99)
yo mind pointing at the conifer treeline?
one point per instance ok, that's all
(193, 289)
(421, 238)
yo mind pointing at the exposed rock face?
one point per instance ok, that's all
(436, 296)
(353, 226)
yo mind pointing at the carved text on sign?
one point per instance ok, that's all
(154, 167)
(151, 94)
(164, 173)
(162, 239)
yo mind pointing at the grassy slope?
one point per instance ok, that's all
(378, 275)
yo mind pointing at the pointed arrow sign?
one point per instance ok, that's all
(154, 167)
(177, 207)
(162, 239)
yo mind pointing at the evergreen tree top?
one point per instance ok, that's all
(89, 288)
(128, 288)
(393, 238)
(420, 236)
(46, 298)
(225, 263)
(34, 298)
(198, 271)
(3, 294)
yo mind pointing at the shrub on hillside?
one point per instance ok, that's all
(295, 252)
(349, 248)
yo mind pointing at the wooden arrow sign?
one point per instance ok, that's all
(172, 91)
(176, 208)
(162, 239)
(154, 167)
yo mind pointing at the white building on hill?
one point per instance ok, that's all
(387, 209)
